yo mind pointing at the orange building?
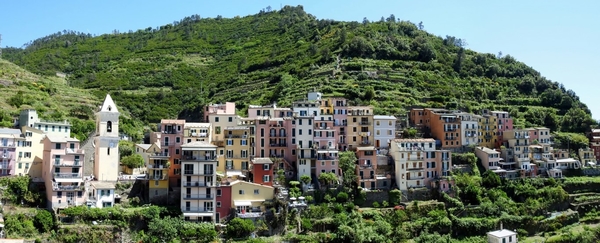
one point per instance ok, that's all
(444, 126)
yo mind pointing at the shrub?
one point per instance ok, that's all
(342, 197)
(375, 204)
(385, 204)
(237, 228)
(395, 196)
(44, 221)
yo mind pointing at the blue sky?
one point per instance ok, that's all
(555, 37)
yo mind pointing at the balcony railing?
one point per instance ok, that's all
(72, 164)
(197, 172)
(8, 145)
(68, 188)
(159, 154)
(340, 124)
(73, 151)
(198, 184)
(199, 134)
(158, 166)
(449, 129)
(231, 136)
(326, 158)
(197, 209)
(6, 156)
(171, 132)
(158, 177)
(250, 215)
(278, 145)
(451, 138)
(366, 143)
(236, 156)
(364, 123)
(67, 175)
(342, 133)
(199, 158)
(5, 166)
(197, 196)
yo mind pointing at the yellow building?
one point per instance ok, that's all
(360, 126)
(158, 171)
(237, 151)
(247, 198)
(30, 154)
(488, 131)
(326, 106)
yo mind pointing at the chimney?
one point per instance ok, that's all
(501, 228)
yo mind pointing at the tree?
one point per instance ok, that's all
(347, 163)
(165, 229)
(327, 179)
(133, 161)
(305, 179)
(269, 8)
(490, 179)
(44, 221)
(281, 177)
(421, 26)
(369, 93)
(238, 228)
(365, 21)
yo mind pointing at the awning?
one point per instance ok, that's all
(234, 173)
(196, 214)
(326, 151)
(58, 179)
(242, 203)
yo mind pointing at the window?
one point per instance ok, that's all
(241, 192)
(256, 192)
(59, 194)
(266, 167)
(53, 128)
(156, 183)
(108, 151)
(230, 119)
(266, 178)
(177, 140)
(216, 119)
(218, 204)
(218, 192)
(108, 126)
(57, 146)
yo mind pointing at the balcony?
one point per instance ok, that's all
(326, 158)
(197, 196)
(156, 155)
(278, 145)
(73, 151)
(199, 134)
(158, 177)
(8, 145)
(171, 132)
(365, 143)
(416, 167)
(199, 158)
(451, 138)
(197, 172)
(67, 175)
(76, 163)
(488, 136)
(415, 178)
(67, 188)
(5, 166)
(236, 157)
(232, 136)
(364, 123)
(340, 124)
(250, 215)
(198, 184)
(342, 133)
(6, 156)
(158, 166)
(449, 129)
(197, 209)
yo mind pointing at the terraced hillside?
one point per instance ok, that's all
(49, 95)
(280, 55)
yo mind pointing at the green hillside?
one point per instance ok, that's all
(170, 71)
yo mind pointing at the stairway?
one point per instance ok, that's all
(89, 151)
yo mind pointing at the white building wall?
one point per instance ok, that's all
(305, 113)
(466, 140)
(385, 129)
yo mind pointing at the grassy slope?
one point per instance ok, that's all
(49, 95)
(279, 56)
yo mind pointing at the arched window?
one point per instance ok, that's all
(109, 126)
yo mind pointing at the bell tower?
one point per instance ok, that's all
(106, 142)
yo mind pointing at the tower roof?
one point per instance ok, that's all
(108, 105)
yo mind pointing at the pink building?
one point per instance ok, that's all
(170, 144)
(340, 119)
(63, 172)
(367, 166)
(325, 141)
(9, 139)
(274, 138)
(218, 109)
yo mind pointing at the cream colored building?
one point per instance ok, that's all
(247, 197)
(587, 157)
(31, 154)
(106, 156)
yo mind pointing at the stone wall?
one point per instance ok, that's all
(591, 171)
(376, 196)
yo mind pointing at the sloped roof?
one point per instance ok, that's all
(108, 105)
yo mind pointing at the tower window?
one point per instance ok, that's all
(109, 108)
(109, 126)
